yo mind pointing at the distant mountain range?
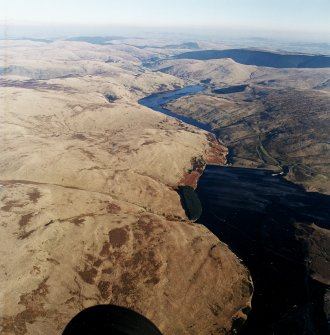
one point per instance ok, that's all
(261, 58)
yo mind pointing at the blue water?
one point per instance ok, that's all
(258, 215)
(230, 89)
(158, 100)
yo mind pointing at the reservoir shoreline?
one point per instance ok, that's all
(217, 153)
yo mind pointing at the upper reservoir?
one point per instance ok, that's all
(158, 100)
(230, 89)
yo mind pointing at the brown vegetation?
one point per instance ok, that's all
(89, 214)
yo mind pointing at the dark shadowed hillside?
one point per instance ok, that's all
(261, 58)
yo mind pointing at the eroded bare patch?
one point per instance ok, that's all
(144, 265)
(147, 223)
(87, 153)
(105, 249)
(34, 309)
(25, 234)
(88, 275)
(11, 204)
(103, 287)
(34, 195)
(78, 136)
(54, 261)
(118, 237)
(25, 219)
(77, 221)
(107, 271)
(149, 142)
(113, 208)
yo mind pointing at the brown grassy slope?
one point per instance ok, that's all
(88, 211)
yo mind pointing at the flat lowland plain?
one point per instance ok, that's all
(89, 214)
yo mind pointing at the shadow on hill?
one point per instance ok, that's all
(261, 58)
(190, 202)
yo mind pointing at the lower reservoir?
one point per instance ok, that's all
(256, 214)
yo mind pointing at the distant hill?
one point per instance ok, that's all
(32, 39)
(261, 58)
(186, 45)
(94, 39)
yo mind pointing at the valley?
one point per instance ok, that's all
(97, 134)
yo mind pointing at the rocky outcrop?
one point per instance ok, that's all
(216, 154)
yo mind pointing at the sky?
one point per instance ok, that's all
(295, 16)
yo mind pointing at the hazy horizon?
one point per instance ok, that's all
(300, 20)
